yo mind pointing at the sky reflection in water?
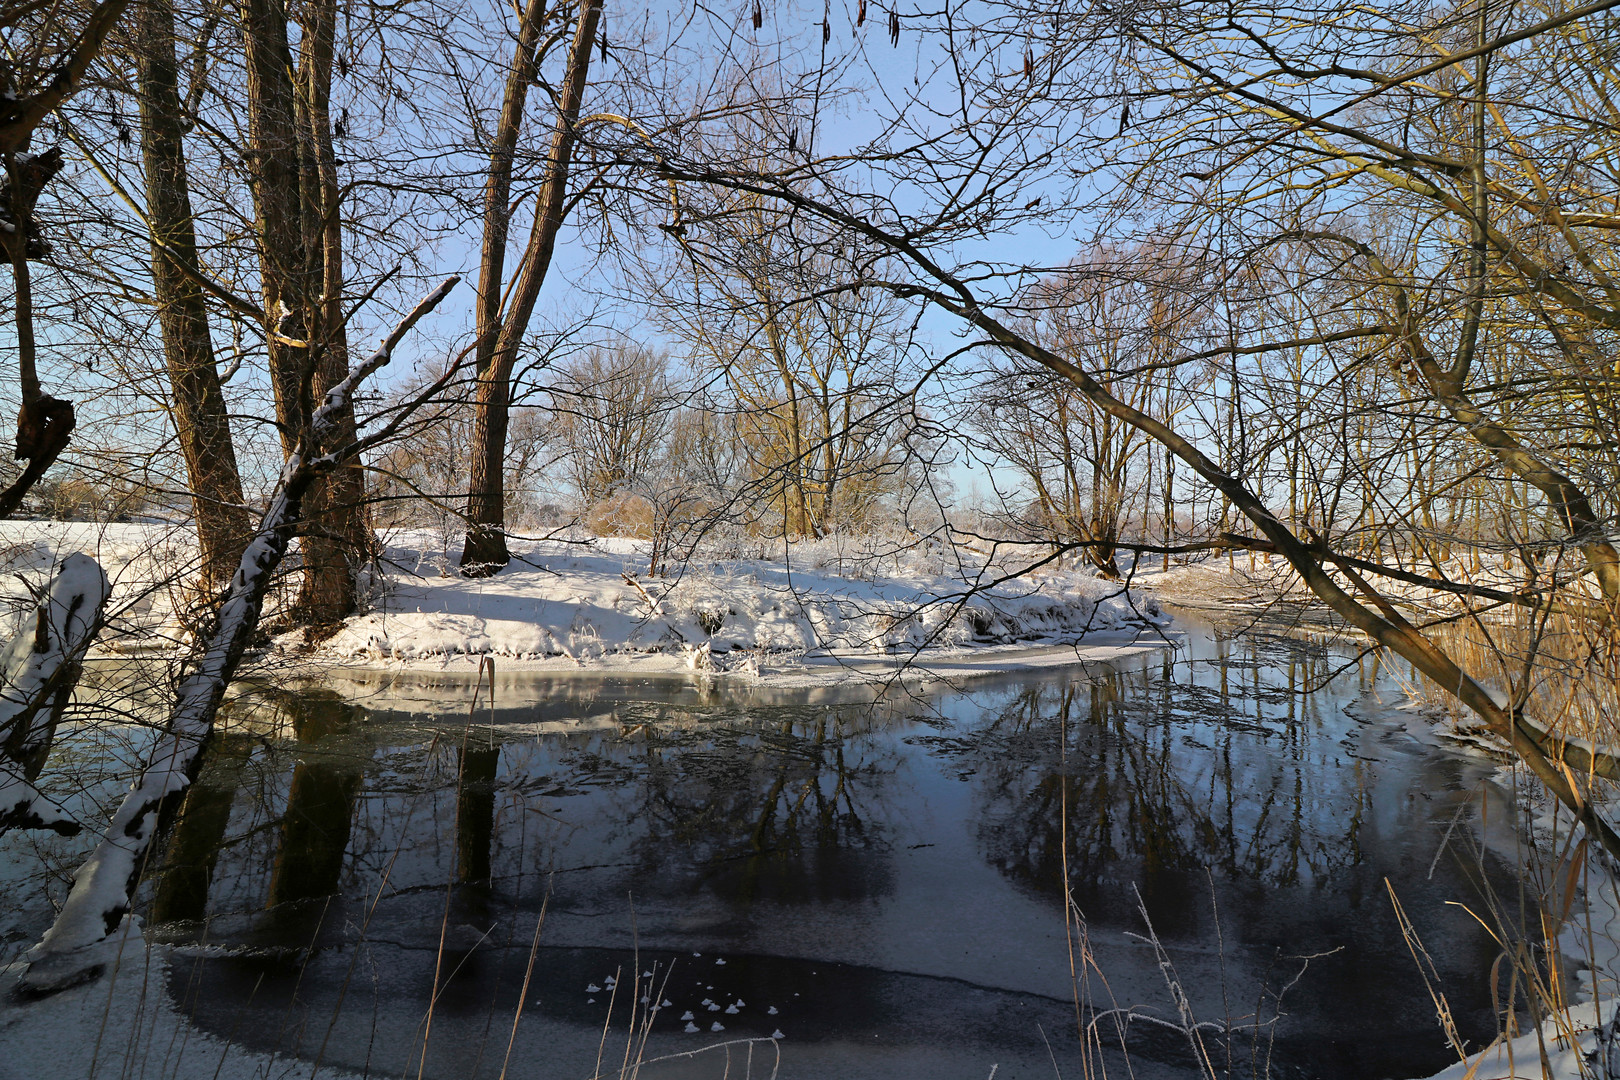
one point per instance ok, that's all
(888, 877)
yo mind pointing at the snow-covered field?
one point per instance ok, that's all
(1256, 581)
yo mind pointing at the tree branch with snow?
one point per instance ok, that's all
(73, 949)
(38, 670)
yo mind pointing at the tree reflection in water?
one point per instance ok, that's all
(775, 805)
(1197, 785)
(909, 847)
(1161, 774)
(282, 818)
(320, 805)
(198, 832)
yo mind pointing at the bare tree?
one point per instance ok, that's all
(503, 320)
(1084, 469)
(1408, 184)
(774, 310)
(47, 58)
(199, 412)
(610, 409)
(299, 232)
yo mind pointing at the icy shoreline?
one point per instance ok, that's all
(836, 610)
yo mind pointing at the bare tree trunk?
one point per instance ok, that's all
(200, 419)
(294, 181)
(1169, 504)
(485, 549)
(796, 521)
(498, 186)
(339, 541)
(479, 550)
(44, 423)
(273, 171)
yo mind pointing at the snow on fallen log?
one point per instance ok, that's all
(23, 806)
(99, 899)
(73, 949)
(38, 670)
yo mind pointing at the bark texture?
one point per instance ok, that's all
(197, 398)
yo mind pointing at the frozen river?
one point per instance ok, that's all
(881, 881)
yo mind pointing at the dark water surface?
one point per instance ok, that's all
(881, 882)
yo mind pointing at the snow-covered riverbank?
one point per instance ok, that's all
(592, 601)
(819, 610)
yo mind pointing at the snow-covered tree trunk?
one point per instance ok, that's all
(38, 670)
(77, 944)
